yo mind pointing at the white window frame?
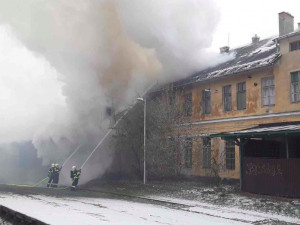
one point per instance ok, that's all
(295, 87)
(268, 91)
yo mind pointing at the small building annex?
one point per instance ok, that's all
(247, 112)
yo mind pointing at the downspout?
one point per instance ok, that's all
(242, 145)
(287, 147)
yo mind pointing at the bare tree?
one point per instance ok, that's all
(213, 160)
(128, 139)
(166, 140)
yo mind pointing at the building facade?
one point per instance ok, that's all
(244, 114)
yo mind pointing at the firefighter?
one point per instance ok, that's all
(50, 174)
(75, 177)
(56, 172)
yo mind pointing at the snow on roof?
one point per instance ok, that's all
(247, 58)
(241, 68)
(296, 32)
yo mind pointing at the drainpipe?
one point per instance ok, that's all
(241, 163)
(277, 47)
(287, 146)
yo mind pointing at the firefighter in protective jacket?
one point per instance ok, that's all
(75, 177)
(50, 174)
(56, 172)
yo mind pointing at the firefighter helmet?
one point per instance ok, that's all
(52, 165)
(56, 165)
(73, 168)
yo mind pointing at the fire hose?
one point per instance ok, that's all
(116, 123)
(77, 149)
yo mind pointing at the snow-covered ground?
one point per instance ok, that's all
(86, 211)
(230, 212)
(92, 211)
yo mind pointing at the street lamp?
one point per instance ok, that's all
(144, 101)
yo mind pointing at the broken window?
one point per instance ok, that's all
(188, 157)
(227, 100)
(230, 154)
(295, 89)
(294, 46)
(188, 104)
(241, 96)
(206, 101)
(206, 146)
(268, 91)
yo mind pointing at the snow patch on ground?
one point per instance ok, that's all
(229, 212)
(91, 211)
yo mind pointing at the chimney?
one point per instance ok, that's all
(286, 23)
(224, 49)
(255, 39)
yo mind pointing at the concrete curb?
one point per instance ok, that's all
(15, 217)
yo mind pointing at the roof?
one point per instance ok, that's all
(264, 130)
(289, 35)
(253, 56)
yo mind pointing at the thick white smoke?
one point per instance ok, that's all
(102, 52)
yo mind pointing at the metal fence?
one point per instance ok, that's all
(280, 177)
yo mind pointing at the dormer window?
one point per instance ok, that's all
(294, 46)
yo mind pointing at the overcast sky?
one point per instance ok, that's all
(244, 18)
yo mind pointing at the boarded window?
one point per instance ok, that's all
(188, 156)
(295, 89)
(227, 100)
(268, 91)
(294, 46)
(230, 154)
(188, 104)
(206, 146)
(241, 96)
(205, 101)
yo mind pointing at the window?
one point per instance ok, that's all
(205, 101)
(295, 89)
(188, 104)
(206, 146)
(227, 101)
(230, 154)
(294, 46)
(268, 91)
(241, 96)
(188, 146)
(171, 97)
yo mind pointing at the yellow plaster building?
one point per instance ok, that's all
(244, 114)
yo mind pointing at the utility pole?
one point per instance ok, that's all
(145, 116)
(145, 111)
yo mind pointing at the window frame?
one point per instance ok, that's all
(226, 95)
(230, 154)
(297, 47)
(206, 153)
(206, 102)
(188, 109)
(267, 87)
(292, 94)
(188, 153)
(238, 92)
